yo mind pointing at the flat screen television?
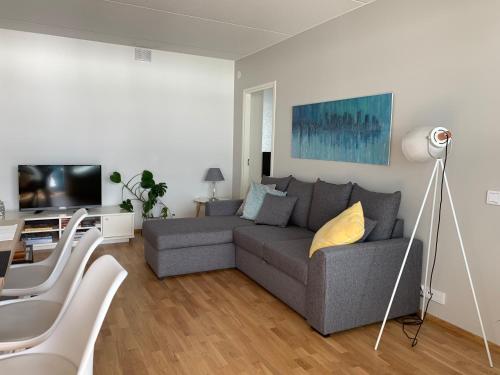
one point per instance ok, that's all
(58, 187)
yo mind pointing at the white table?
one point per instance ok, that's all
(10, 246)
(202, 202)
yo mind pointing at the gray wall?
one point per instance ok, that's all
(441, 59)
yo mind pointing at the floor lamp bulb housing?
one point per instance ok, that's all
(426, 143)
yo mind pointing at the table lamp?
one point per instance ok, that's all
(214, 175)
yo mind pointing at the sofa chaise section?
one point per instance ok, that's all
(181, 246)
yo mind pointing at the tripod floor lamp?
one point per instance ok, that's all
(421, 145)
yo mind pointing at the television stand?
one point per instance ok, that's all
(44, 229)
(38, 212)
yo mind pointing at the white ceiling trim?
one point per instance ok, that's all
(122, 3)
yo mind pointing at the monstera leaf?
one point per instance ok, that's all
(127, 205)
(116, 177)
(147, 181)
(165, 212)
(159, 189)
(147, 207)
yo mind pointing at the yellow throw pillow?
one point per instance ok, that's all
(344, 229)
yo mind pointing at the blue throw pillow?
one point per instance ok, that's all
(255, 198)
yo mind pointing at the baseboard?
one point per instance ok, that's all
(462, 332)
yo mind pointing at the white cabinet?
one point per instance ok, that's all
(45, 229)
(114, 226)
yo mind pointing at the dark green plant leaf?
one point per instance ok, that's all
(159, 190)
(147, 206)
(146, 175)
(147, 184)
(147, 181)
(116, 177)
(165, 212)
(127, 205)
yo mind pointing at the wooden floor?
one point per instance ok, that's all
(223, 323)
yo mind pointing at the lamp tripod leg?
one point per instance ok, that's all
(467, 268)
(433, 175)
(424, 291)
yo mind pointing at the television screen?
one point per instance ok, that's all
(59, 186)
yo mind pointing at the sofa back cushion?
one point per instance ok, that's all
(303, 191)
(280, 182)
(328, 201)
(381, 207)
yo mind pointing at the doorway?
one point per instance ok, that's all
(259, 111)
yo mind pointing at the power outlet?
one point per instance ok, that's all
(437, 295)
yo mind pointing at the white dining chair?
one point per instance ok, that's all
(29, 321)
(70, 348)
(35, 278)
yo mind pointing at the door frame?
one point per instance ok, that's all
(245, 133)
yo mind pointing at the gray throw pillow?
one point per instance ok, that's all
(303, 192)
(242, 206)
(280, 182)
(255, 198)
(328, 201)
(276, 210)
(369, 227)
(381, 207)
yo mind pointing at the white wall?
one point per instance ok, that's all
(65, 101)
(441, 59)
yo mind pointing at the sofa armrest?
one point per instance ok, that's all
(223, 208)
(350, 286)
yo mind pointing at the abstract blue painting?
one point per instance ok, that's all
(355, 130)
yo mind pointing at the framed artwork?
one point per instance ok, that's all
(356, 130)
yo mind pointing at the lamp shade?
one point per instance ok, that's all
(214, 174)
(425, 143)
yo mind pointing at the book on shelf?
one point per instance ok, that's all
(38, 229)
(38, 240)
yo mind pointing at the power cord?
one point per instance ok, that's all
(415, 320)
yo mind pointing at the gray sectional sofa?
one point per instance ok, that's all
(338, 288)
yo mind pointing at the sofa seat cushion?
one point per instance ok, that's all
(189, 232)
(290, 257)
(253, 238)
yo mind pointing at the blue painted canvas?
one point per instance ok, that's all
(355, 130)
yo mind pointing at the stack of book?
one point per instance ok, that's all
(38, 240)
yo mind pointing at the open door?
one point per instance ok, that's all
(258, 134)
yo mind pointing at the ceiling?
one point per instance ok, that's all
(228, 29)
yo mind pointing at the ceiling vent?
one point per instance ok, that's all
(143, 54)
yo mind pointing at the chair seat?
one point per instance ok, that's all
(40, 364)
(26, 319)
(26, 276)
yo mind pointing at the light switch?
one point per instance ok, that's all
(493, 197)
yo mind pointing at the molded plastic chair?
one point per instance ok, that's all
(35, 278)
(27, 322)
(70, 348)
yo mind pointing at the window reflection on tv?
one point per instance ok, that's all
(44, 187)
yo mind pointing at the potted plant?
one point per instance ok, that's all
(144, 189)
